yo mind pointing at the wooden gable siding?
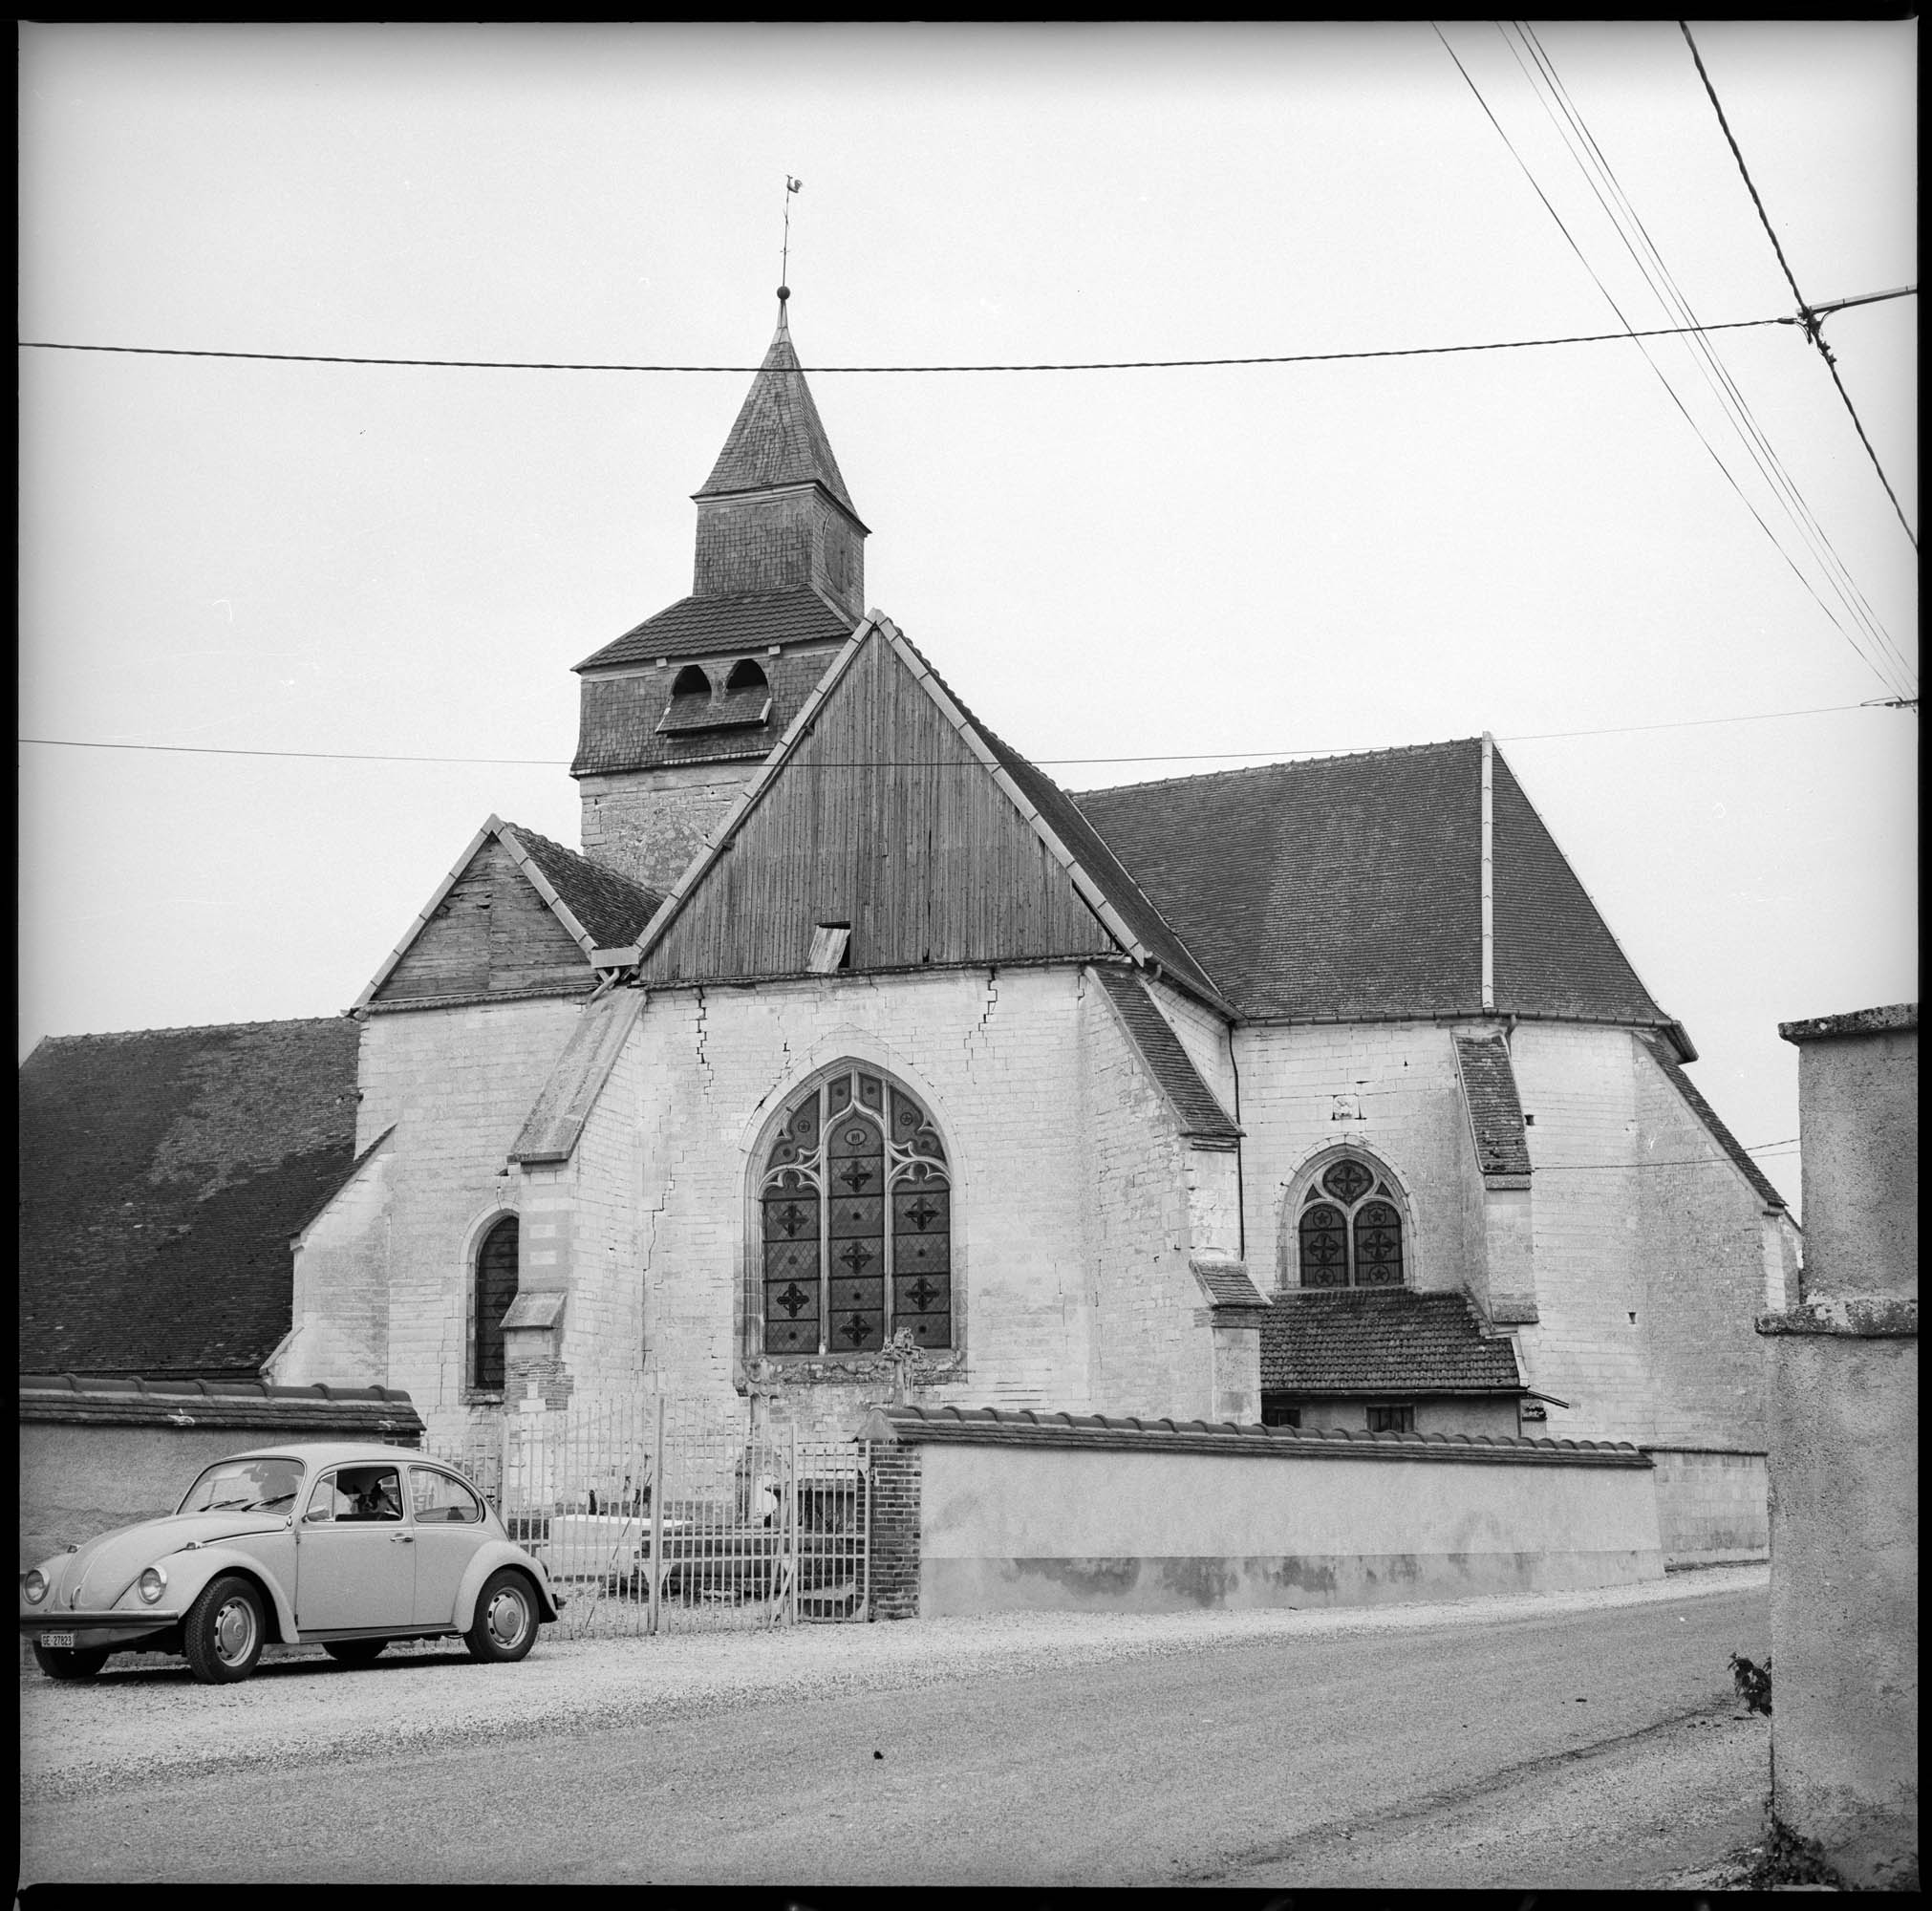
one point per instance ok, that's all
(491, 933)
(885, 820)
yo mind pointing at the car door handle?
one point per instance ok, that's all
(403, 1538)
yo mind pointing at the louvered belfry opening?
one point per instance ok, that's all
(855, 1206)
(496, 1287)
(1349, 1230)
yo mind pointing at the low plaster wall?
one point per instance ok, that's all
(1102, 1520)
(1712, 1508)
(1845, 1591)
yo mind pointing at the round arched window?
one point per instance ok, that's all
(855, 1209)
(1349, 1230)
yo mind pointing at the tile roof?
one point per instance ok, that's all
(1201, 1114)
(1227, 1282)
(161, 1174)
(1495, 1110)
(1351, 887)
(1370, 1341)
(1667, 1060)
(777, 438)
(610, 907)
(741, 625)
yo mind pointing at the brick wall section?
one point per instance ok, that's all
(651, 825)
(1401, 1078)
(895, 1538)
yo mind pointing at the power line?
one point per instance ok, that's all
(1669, 390)
(1813, 316)
(892, 763)
(1624, 220)
(826, 371)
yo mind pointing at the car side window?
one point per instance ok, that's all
(440, 1500)
(325, 1502)
(373, 1493)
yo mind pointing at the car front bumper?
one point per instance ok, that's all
(81, 1630)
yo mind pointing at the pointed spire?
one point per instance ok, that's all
(778, 438)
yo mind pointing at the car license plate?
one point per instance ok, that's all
(51, 1638)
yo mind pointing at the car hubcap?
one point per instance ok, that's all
(235, 1631)
(507, 1619)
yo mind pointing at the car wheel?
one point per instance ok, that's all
(504, 1627)
(221, 1636)
(68, 1663)
(354, 1651)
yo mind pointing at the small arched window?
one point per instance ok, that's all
(1348, 1232)
(746, 674)
(689, 681)
(493, 1289)
(855, 1211)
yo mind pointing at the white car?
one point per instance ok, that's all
(347, 1547)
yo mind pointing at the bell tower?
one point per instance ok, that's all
(678, 712)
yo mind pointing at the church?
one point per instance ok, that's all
(850, 1057)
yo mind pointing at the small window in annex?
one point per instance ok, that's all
(1276, 1411)
(492, 1290)
(855, 1209)
(1390, 1418)
(1349, 1230)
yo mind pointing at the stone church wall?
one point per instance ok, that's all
(1143, 1298)
(456, 1084)
(1578, 1087)
(1388, 1088)
(651, 830)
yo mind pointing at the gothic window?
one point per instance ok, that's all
(1349, 1230)
(855, 1210)
(746, 674)
(691, 681)
(494, 1288)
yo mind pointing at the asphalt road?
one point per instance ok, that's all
(1496, 1743)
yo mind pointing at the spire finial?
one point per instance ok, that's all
(791, 186)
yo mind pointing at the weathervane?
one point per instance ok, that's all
(791, 186)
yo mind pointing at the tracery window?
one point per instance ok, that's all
(1349, 1230)
(855, 1208)
(494, 1288)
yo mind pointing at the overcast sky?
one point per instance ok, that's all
(1163, 565)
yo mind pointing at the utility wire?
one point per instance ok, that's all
(1812, 315)
(1669, 390)
(824, 370)
(1593, 165)
(892, 763)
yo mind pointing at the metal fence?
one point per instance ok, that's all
(656, 1513)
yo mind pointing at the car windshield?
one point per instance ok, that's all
(245, 1486)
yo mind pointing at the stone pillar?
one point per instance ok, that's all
(1842, 1400)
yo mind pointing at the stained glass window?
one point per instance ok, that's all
(1349, 1230)
(496, 1287)
(856, 1210)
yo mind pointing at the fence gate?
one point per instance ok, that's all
(654, 1514)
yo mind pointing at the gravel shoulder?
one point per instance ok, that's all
(150, 1721)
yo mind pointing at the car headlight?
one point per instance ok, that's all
(152, 1584)
(33, 1585)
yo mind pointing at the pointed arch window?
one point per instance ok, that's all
(855, 1209)
(1349, 1232)
(493, 1288)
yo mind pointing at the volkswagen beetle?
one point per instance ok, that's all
(347, 1547)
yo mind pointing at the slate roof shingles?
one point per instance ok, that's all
(1381, 1340)
(1495, 1110)
(1350, 888)
(162, 1173)
(1200, 1112)
(778, 437)
(743, 624)
(610, 907)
